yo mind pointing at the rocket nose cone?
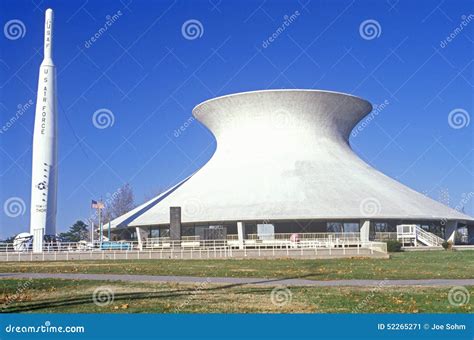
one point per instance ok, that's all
(49, 12)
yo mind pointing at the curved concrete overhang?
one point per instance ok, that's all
(285, 155)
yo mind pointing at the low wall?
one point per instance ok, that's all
(426, 248)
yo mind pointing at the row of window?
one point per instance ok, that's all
(220, 231)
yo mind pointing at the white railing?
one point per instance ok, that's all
(260, 251)
(385, 236)
(305, 236)
(253, 241)
(183, 244)
(413, 234)
(302, 240)
(428, 238)
(75, 246)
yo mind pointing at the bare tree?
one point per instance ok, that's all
(123, 202)
(119, 203)
(444, 196)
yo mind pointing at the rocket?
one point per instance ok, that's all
(44, 176)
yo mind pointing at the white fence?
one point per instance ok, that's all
(279, 240)
(303, 244)
(385, 236)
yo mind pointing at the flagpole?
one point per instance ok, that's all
(100, 226)
(91, 223)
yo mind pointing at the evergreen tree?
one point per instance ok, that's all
(77, 232)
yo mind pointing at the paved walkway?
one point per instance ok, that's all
(240, 281)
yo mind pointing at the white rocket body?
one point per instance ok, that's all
(44, 165)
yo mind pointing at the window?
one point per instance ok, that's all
(165, 232)
(334, 227)
(187, 231)
(215, 232)
(381, 227)
(155, 232)
(351, 227)
(266, 231)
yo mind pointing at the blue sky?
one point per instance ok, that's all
(150, 75)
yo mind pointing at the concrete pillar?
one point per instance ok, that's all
(141, 236)
(241, 234)
(364, 230)
(175, 223)
(450, 231)
(38, 238)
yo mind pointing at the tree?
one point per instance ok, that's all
(119, 203)
(9, 239)
(124, 202)
(115, 205)
(77, 232)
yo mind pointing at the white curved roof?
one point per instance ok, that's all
(284, 155)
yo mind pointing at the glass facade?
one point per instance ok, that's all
(342, 227)
(378, 228)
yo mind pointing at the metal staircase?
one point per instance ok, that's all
(414, 235)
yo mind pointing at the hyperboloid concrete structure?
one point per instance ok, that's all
(283, 164)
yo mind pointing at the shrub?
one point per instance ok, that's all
(394, 246)
(447, 245)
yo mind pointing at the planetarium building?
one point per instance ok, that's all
(283, 165)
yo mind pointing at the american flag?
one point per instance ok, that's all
(97, 205)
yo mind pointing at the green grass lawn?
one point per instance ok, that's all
(73, 296)
(405, 265)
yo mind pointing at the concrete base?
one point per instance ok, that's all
(422, 248)
(455, 247)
